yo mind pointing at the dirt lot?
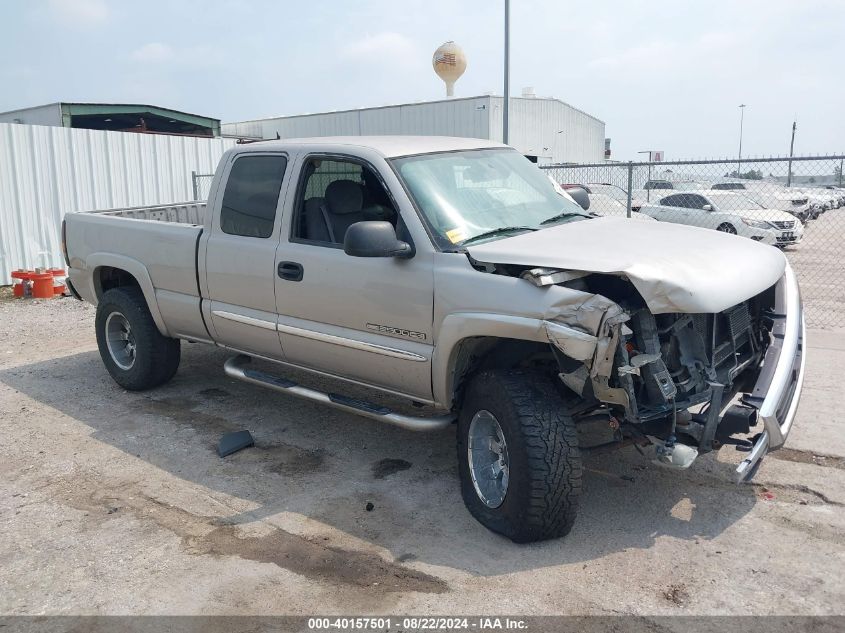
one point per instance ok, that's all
(116, 502)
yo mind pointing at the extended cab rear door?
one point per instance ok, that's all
(240, 252)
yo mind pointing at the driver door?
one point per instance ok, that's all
(699, 216)
(367, 320)
(672, 209)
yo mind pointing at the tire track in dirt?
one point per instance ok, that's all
(312, 557)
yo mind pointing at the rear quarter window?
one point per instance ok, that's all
(251, 196)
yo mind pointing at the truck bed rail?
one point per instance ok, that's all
(178, 213)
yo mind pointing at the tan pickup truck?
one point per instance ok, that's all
(451, 272)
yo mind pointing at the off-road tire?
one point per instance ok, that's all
(156, 357)
(545, 469)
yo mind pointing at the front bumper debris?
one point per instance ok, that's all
(778, 387)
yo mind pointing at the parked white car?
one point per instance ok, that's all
(826, 197)
(773, 196)
(619, 194)
(729, 212)
(838, 192)
(676, 185)
(604, 205)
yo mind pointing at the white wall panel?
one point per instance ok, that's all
(544, 127)
(571, 136)
(46, 172)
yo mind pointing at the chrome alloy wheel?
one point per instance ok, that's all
(487, 453)
(120, 341)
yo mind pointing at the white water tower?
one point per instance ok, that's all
(449, 63)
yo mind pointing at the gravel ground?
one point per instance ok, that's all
(116, 503)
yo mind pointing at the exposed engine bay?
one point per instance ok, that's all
(665, 378)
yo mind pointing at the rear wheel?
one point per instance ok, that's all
(725, 227)
(134, 352)
(518, 456)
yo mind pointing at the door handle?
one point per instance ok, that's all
(290, 271)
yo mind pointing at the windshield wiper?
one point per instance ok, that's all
(563, 216)
(501, 229)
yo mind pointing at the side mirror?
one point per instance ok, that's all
(375, 238)
(707, 207)
(580, 196)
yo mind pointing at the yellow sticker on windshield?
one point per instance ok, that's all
(456, 235)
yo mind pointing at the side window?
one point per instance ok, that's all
(333, 195)
(251, 195)
(696, 202)
(672, 201)
(683, 200)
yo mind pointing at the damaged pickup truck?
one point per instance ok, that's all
(452, 273)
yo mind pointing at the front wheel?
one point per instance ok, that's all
(134, 352)
(726, 228)
(518, 456)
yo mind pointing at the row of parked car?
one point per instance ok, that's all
(759, 210)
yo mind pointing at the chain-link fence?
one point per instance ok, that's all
(795, 204)
(201, 185)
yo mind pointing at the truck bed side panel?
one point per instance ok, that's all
(160, 255)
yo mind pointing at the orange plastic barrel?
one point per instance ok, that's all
(59, 276)
(42, 285)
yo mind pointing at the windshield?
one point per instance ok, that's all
(470, 194)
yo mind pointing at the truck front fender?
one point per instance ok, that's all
(459, 326)
(587, 331)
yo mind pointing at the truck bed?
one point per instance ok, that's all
(156, 245)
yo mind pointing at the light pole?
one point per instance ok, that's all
(507, 88)
(739, 158)
(647, 191)
(791, 147)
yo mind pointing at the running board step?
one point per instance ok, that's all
(238, 367)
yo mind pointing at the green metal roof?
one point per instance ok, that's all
(76, 109)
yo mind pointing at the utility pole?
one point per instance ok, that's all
(739, 158)
(791, 148)
(507, 91)
(647, 191)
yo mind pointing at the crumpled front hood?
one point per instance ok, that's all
(675, 268)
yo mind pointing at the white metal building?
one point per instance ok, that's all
(545, 129)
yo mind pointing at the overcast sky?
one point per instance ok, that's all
(662, 74)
